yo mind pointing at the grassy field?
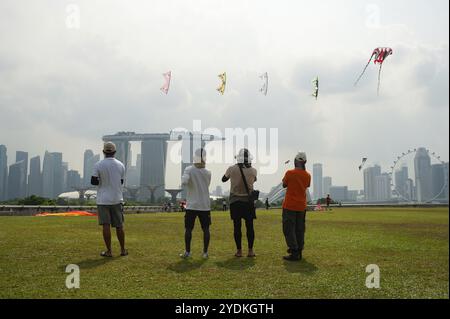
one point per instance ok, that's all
(410, 245)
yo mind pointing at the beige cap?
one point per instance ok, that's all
(109, 147)
(301, 156)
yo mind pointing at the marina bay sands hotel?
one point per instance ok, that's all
(154, 153)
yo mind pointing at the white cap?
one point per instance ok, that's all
(301, 156)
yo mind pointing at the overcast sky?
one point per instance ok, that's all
(62, 88)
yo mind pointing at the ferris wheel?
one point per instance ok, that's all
(400, 159)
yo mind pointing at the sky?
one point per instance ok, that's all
(73, 71)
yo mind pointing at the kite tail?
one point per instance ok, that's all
(379, 79)
(362, 73)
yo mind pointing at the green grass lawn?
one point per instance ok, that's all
(410, 245)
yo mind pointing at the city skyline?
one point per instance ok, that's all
(378, 185)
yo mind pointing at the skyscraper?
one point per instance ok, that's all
(23, 157)
(16, 179)
(327, 183)
(438, 181)
(317, 180)
(73, 180)
(3, 173)
(370, 173)
(35, 177)
(52, 175)
(383, 187)
(422, 168)
(87, 167)
(401, 177)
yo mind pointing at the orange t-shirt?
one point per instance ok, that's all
(297, 182)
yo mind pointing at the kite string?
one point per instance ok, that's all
(364, 71)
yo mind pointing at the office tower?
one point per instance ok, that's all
(410, 190)
(317, 180)
(400, 180)
(327, 183)
(23, 157)
(422, 168)
(73, 180)
(339, 193)
(65, 169)
(3, 173)
(438, 179)
(219, 191)
(370, 173)
(383, 187)
(52, 175)
(35, 177)
(87, 167)
(16, 178)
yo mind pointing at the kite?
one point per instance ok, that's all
(315, 87)
(265, 85)
(167, 76)
(362, 163)
(287, 162)
(223, 79)
(66, 214)
(379, 55)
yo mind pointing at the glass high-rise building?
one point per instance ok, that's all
(16, 178)
(52, 175)
(317, 180)
(35, 177)
(370, 174)
(327, 183)
(422, 169)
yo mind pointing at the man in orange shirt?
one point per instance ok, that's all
(297, 182)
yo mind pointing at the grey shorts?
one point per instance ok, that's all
(110, 215)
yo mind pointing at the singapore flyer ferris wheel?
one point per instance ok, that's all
(429, 182)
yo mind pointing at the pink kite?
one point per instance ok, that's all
(167, 76)
(378, 56)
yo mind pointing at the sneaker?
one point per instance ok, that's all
(185, 255)
(205, 255)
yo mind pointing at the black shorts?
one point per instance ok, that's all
(203, 216)
(242, 210)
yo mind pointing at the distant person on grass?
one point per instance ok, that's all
(240, 175)
(297, 182)
(109, 175)
(328, 199)
(196, 179)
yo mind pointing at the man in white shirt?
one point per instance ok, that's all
(109, 175)
(196, 179)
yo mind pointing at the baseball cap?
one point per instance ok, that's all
(301, 156)
(109, 147)
(244, 155)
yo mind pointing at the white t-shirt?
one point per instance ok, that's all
(197, 182)
(110, 172)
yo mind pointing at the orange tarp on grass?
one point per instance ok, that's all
(67, 214)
